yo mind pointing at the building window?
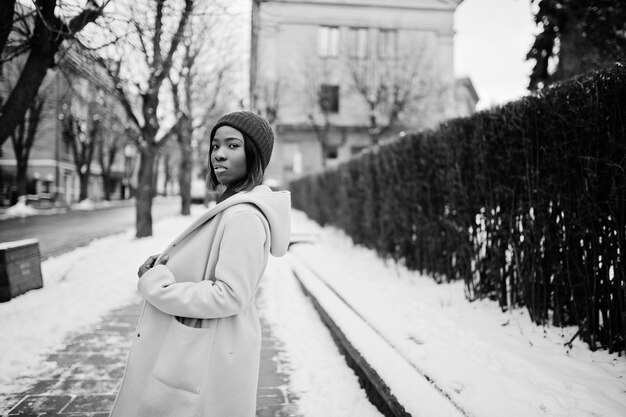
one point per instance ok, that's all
(329, 98)
(66, 148)
(328, 41)
(332, 152)
(387, 43)
(357, 43)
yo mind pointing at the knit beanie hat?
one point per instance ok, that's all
(254, 127)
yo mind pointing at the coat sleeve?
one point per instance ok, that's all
(239, 266)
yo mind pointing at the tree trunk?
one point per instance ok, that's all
(144, 193)
(185, 166)
(84, 185)
(185, 189)
(48, 34)
(155, 174)
(167, 174)
(7, 11)
(21, 177)
(105, 174)
(107, 184)
(23, 93)
(373, 130)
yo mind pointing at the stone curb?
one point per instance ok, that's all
(376, 389)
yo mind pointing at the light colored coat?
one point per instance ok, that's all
(207, 364)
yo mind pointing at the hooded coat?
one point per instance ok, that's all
(197, 346)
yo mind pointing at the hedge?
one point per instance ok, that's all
(524, 202)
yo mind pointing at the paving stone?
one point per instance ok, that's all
(276, 398)
(288, 410)
(103, 360)
(8, 401)
(116, 327)
(292, 397)
(67, 359)
(86, 386)
(90, 404)
(270, 380)
(268, 366)
(268, 354)
(88, 370)
(42, 386)
(38, 404)
(98, 342)
(267, 343)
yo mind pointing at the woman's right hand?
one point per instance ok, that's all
(149, 263)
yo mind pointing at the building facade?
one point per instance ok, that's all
(337, 76)
(79, 89)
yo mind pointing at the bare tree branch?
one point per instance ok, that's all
(50, 32)
(389, 86)
(167, 62)
(6, 21)
(158, 33)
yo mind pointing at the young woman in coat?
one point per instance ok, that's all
(197, 345)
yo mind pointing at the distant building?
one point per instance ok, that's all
(52, 175)
(311, 59)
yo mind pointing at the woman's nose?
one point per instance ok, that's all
(218, 154)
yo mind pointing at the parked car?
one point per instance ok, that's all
(199, 192)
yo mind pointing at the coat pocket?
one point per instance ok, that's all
(184, 357)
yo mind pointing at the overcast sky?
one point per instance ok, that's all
(490, 46)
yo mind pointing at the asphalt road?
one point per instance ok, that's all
(59, 233)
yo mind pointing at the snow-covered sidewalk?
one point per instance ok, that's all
(488, 362)
(83, 285)
(21, 209)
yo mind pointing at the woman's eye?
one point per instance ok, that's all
(233, 146)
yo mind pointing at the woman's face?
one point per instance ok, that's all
(228, 157)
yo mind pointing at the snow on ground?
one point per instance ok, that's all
(487, 361)
(79, 288)
(83, 285)
(318, 374)
(21, 209)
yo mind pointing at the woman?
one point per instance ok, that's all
(197, 346)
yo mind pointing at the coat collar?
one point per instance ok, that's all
(241, 197)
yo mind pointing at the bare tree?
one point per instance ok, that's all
(110, 146)
(25, 133)
(318, 103)
(183, 136)
(389, 85)
(267, 98)
(6, 21)
(23, 139)
(138, 69)
(50, 29)
(130, 162)
(83, 137)
(198, 84)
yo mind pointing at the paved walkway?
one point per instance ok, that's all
(89, 368)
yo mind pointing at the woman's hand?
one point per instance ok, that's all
(150, 262)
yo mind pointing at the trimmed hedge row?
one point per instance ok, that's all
(525, 203)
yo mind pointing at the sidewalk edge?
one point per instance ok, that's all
(377, 390)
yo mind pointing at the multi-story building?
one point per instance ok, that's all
(77, 88)
(336, 76)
